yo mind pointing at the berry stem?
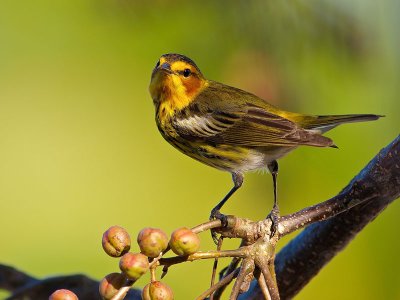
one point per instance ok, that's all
(242, 252)
(206, 226)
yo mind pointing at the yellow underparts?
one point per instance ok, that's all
(175, 96)
(226, 157)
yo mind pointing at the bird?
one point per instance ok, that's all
(230, 129)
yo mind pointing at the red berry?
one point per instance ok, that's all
(152, 241)
(134, 265)
(116, 241)
(111, 284)
(63, 295)
(184, 241)
(157, 290)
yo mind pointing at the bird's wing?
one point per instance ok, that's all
(247, 125)
(258, 127)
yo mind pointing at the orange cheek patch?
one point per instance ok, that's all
(192, 86)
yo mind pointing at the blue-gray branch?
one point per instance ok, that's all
(366, 196)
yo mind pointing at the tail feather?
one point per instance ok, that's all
(325, 123)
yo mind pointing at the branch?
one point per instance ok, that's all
(223, 282)
(23, 286)
(12, 279)
(270, 283)
(246, 269)
(241, 252)
(375, 187)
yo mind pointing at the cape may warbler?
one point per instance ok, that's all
(230, 129)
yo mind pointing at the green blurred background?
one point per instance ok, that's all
(79, 149)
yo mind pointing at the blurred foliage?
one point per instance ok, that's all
(79, 150)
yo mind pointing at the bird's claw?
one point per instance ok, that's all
(274, 216)
(214, 237)
(216, 215)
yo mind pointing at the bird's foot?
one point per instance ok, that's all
(216, 215)
(274, 215)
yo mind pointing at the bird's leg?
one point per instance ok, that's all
(215, 213)
(274, 215)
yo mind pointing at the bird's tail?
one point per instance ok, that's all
(325, 123)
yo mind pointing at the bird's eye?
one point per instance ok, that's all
(186, 73)
(158, 64)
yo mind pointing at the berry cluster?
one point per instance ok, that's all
(153, 243)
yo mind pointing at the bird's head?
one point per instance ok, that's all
(175, 80)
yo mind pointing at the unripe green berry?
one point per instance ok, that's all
(116, 241)
(157, 290)
(184, 241)
(63, 295)
(134, 265)
(152, 241)
(111, 284)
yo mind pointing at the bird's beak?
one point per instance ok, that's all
(166, 67)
